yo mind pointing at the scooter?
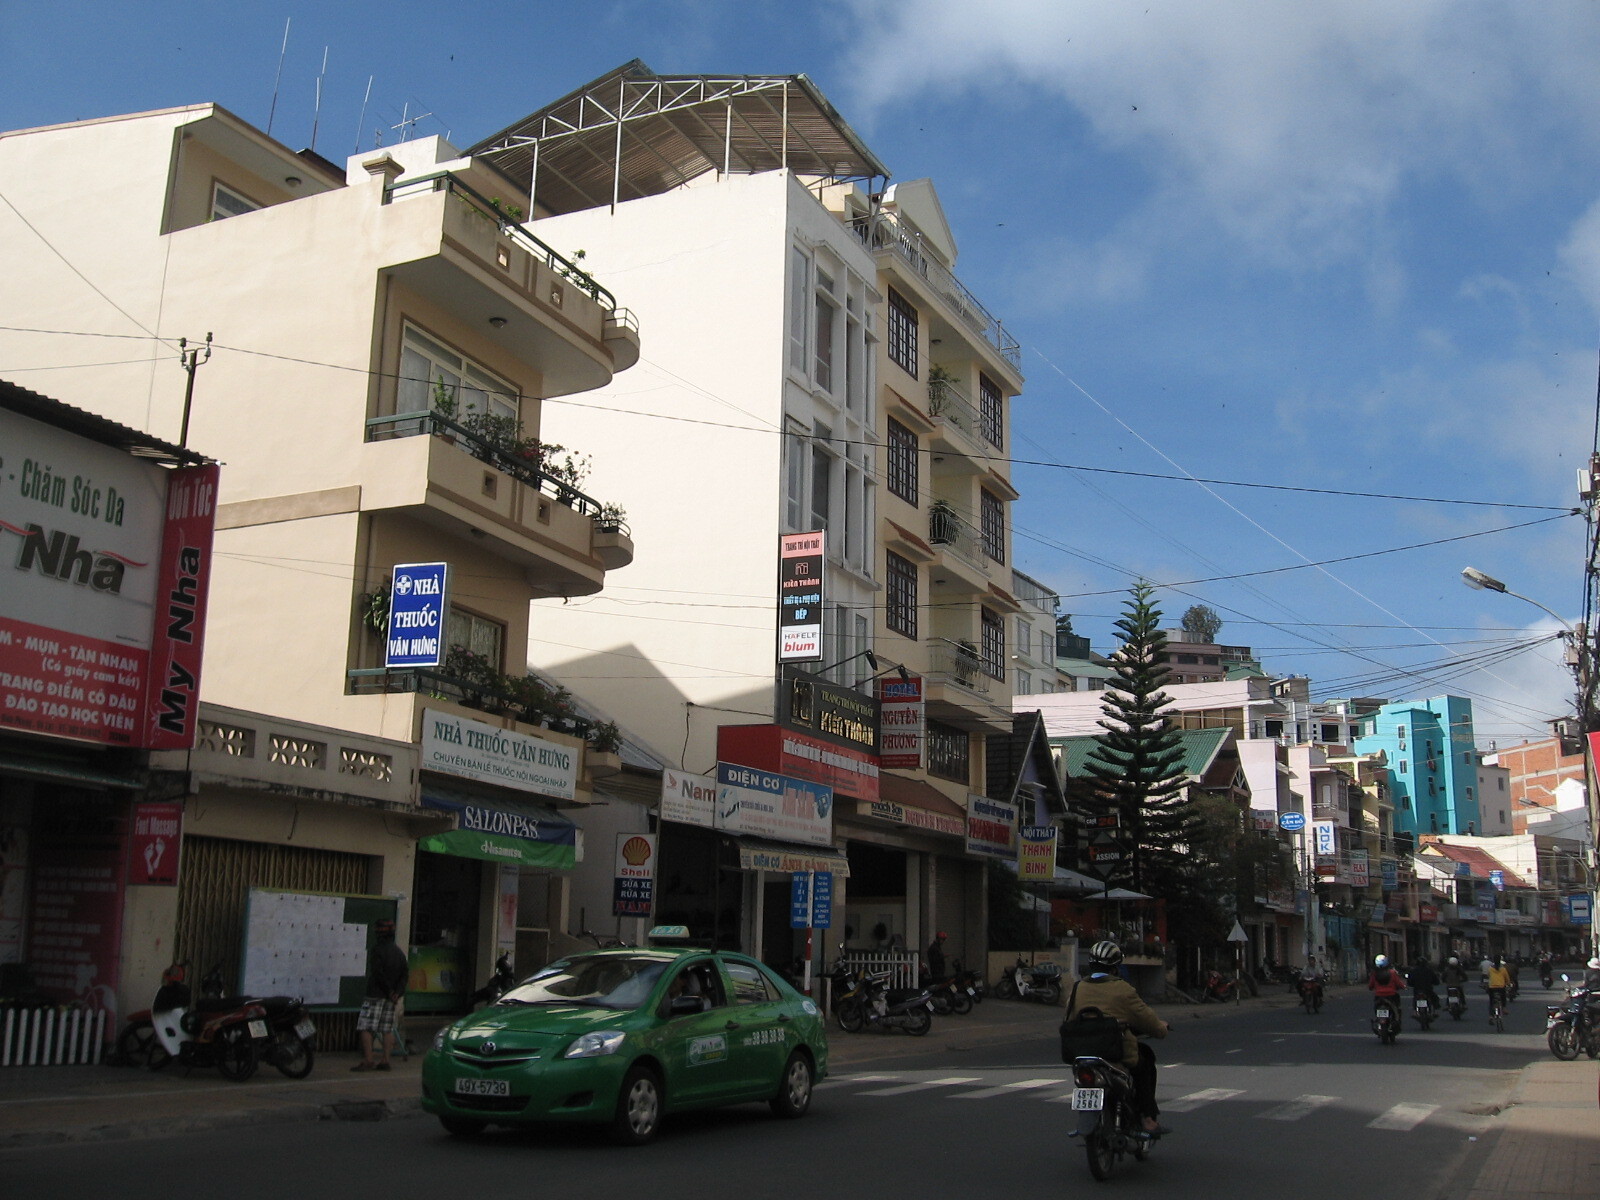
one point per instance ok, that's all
(1386, 1019)
(868, 1001)
(501, 982)
(1455, 1001)
(1311, 995)
(949, 997)
(1103, 1101)
(1573, 1026)
(1214, 985)
(221, 1033)
(1424, 1009)
(1041, 982)
(1546, 975)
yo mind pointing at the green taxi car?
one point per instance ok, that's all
(624, 1037)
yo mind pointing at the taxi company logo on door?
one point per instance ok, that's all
(706, 1050)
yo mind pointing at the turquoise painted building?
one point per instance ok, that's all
(1433, 763)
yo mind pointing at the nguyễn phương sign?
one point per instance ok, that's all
(471, 749)
(415, 636)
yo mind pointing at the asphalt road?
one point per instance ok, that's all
(1262, 1102)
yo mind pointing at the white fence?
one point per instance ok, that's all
(904, 966)
(46, 1037)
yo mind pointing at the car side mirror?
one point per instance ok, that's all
(680, 1006)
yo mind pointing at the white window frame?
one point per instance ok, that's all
(473, 386)
(229, 202)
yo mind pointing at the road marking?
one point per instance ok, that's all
(1235, 1051)
(1195, 1099)
(861, 1078)
(1171, 1066)
(925, 1085)
(1022, 1085)
(1404, 1117)
(1277, 1039)
(1299, 1107)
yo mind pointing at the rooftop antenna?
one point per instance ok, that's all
(282, 50)
(316, 116)
(408, 123)
(362, 119)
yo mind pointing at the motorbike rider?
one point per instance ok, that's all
(1498, 985)
(1424, 981)
(1591, 975)
(1454, 975)
(1114, 996)
(1385, 982)
(1311, 979)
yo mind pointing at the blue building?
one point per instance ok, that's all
(1432, 760)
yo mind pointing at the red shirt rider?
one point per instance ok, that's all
(1385, 981)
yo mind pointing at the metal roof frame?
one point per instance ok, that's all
(632, 133)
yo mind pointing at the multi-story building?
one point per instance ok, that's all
(1430, 750)
(815, 365)
(1546, 791)
(369, 349)
(1033, 656)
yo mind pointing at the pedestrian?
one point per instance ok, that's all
(386, 985)
(936, 957)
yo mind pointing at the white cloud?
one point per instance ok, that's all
(1580, 255)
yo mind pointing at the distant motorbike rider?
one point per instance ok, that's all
(1591, 975)
(1455, 976)
(1384, 982)
(1498, 985)
(1424, 981)
(1311, 979)
(1115, 997)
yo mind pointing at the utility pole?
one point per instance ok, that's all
(190, 359)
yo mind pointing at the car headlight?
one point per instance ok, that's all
(438, 1040)
(596, 1045)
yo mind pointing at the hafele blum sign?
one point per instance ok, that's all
(800, 567)
(991, 828)
(902, 722)
(471, 749)
(105, 566)
(828, 711)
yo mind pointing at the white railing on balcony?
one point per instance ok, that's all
(887, 232)
(957, 662)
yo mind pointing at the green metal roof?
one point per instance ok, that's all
(1200, 749)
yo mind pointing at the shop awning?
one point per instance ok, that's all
(503, 831)
(58, 770)
(787, 857)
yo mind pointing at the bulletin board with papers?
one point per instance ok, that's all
(310, 944)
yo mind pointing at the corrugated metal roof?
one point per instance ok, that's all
(1480, 862)
(93, 426)
(673, 129)
(1200, 749)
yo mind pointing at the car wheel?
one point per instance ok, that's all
(463, 1126)
(794, 1089)
(638, 1116)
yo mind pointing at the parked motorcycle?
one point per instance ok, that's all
(948, 997)
(219, 1033)
(1040, 981)
(501, 982)
(868, 1002)
(1424, 1008)
(1574, 1025)
(1386, 1019)
(1103, 1099)
(970, 980)
(1214, 985)
(1455, 1001)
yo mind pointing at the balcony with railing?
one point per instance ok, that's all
(475, 487)
(963, 566)
(887, 233)
(958, 428)
(470, 255)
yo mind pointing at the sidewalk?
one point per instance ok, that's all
(1545, 1145)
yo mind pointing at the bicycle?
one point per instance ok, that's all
(1497, 1009)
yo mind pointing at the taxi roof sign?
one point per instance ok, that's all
(663, 933)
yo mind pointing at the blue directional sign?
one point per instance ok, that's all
(1579, 909)
(800, 900)
(822, 900)
(811, 900)
(416, 635)
(1292, 821)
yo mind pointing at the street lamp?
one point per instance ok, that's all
(1479, 581)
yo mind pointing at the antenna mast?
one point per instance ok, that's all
(278, 78)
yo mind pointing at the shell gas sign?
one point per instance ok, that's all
(635, 882)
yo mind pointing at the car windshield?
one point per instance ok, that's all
(619, 981)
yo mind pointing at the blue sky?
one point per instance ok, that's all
(1352, 247)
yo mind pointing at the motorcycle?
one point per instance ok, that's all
(868, 1001)
(1386, 1019)
(1455, 1001)
(1108, 1121)
(1214, 985)
(1041, 982)
(211, 1033)
(1573, 1026)
(948, 996)
(501, 982)
(1545, 975)
(1424, 1008)
(1311, 995)
(970, 980)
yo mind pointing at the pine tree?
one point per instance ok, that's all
(1135, 768)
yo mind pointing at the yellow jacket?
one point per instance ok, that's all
(1499, 976)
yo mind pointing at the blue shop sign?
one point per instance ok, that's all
(416, 635)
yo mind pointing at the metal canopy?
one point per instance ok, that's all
(633, 133)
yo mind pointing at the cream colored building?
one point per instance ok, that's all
(340, 303)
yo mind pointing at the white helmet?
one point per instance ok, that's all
(1381, 961)
(1454, 961)
(1594, 963)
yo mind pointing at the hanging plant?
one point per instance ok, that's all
(375, 609)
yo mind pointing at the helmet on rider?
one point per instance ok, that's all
(1454, 961)
(1381, 961)
(1594, 963)
(1105, 954)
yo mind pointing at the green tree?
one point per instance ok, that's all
(1202, 623)
(1135, 768)
(1013, 923)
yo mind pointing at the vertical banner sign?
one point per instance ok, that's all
(153, 844)
(811, 900)
(635, 884)
(416, 616)
(800, 596)
(800, 900)
(1322, 839)
(822, 900)
(903, 720)
(1036, 852)
(178, 640)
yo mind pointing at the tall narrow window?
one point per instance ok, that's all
(993, 651)
(798, 447)
(991, 413)
(992, 514)
(826, 314)
(901, 461)
(902, 332)
(799, 311)
(821, 478)
(900, 595)
(476, 634)
(949, 752)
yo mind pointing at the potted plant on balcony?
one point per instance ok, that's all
(444, 407)
(604, 755)
(475, 676)
(374, 609)
(939, 380)
(966, 662)
(943, 524)
(610, 519)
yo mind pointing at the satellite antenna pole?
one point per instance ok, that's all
(277, 79)
(316, 116)
(362, 119)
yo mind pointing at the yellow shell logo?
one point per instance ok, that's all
(635, 851)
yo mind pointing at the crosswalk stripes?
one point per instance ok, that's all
(1297, 1108)
(1404, 1117)
(1195, 1099)
(1021, 1085)
(924, 1085)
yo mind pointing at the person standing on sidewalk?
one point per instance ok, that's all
(386, 985)
(936, 958)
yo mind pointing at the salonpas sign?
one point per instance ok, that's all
(455, 745)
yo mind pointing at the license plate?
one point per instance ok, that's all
(483, 1087)
(1089, 1099)
(258, 1029)
(972, 991)
(304, 1028)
